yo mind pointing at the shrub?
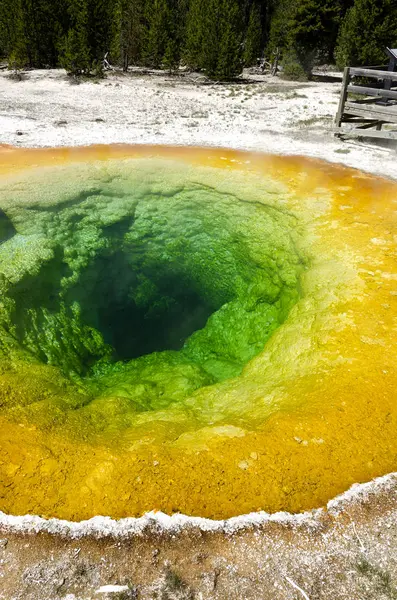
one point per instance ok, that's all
(75, 57)
(297, 66)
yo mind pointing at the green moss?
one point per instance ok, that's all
(141, 284)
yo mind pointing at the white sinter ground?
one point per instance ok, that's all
(47, 108)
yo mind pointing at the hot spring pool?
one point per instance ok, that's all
(192, 330)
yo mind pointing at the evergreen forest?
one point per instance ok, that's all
(217, 37)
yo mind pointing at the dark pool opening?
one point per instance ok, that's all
(139, 311)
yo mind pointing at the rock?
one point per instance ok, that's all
(122, 592)
(112, 589)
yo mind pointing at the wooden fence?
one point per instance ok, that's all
(364, 106)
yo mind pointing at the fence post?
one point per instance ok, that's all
(343, 96)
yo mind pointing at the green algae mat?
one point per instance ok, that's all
(192, 330)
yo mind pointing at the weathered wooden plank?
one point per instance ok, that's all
(368, 91)
(364, 101)
(343, 96)
(357, 133)
(381, 113)
(371, 114)
(375, 108)
(380, 117)
(358, 71)
(378, 125)
(352, 119)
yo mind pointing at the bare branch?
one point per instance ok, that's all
(362, 547)
(296, 586)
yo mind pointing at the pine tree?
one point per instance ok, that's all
(215, 36)
(18, 58)
(280, 24)
(230, 50)
(99, 28)
(31, 30)
(10, 14)
(89, 36)
(128, 32)
(306, 30)
(366, 31)
(12, 32)
(314, 26)
(194, 34)
(171, 57)
(176, 29)
(157, 17)
(75, 57)
(253, 39)
(42, 22)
